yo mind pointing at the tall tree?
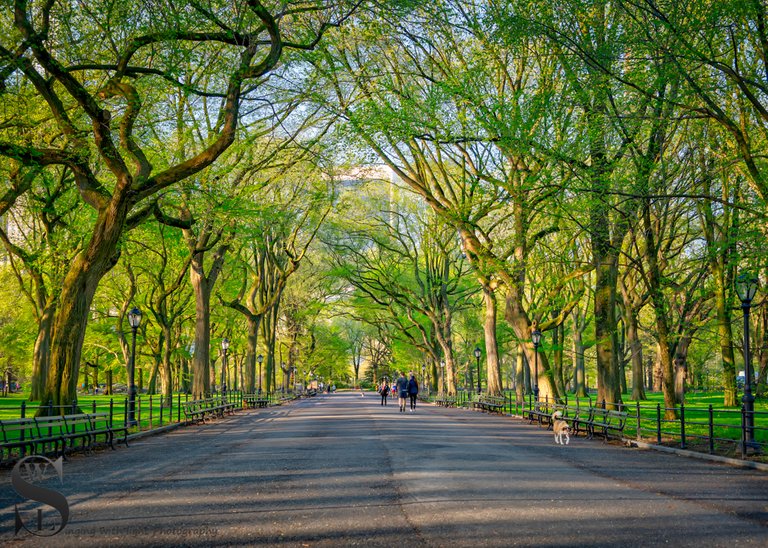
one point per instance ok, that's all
(93, 98)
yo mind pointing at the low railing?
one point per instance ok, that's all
(151, 411)
(724, 432)
(706, 429)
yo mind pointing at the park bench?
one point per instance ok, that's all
(445, 401)
(491, 404)
(88, 427)
(207, 408)
(574, 415)
(607, 421)
(541, 412)
(23, 435)
(255, 400)
(57, 434)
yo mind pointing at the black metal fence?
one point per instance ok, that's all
(717, 431)
(151, 411)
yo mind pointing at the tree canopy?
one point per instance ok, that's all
(351, 188)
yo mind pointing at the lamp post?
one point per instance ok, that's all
(260, 359)
(746, 287)
(224, 348)
(134, 320)
(478, 353)
(536, 339)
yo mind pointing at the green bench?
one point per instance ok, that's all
(445, 401)
(608, 422)
(199, 411)
(541, 412)
(57, 435)
(255, 400)
(491, 404)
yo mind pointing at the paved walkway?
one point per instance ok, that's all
(341, 470)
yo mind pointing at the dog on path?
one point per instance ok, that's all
(561, 428)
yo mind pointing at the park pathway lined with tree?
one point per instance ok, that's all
(341, 470)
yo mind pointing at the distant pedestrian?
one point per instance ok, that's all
(384, 391)
(413, 391)
(401, 385)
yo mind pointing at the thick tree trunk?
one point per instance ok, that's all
(75, 300)
(493, 373)
(658, 372)
(41, 356)
(558, 367)
(681, 368)
(201, 380)
(251, 352)
(153, 375)
(635, 354)
(518, 319)
(166, 375)
(69, 328)
(725, 336)
(579, 372)
(523, 377)
(608, 386)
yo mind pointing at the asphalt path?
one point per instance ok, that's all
(341, 470)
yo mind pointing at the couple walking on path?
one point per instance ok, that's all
(407, 389)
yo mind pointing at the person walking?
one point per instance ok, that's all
(384, 391)
(401, 385)
(413, 391)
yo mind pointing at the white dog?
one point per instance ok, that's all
(561, 428)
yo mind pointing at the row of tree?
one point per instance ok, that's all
(591, 169)
(609, 147)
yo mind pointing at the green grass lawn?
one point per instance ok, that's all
(11, 408)
(699, 399)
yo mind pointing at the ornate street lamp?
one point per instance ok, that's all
(746, 287)
(260, 359)
(134, 320)
(536, 339)
(224, 348)
(478, 353)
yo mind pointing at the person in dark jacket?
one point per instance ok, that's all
(401, 385)
(413, 391)
(384, 391)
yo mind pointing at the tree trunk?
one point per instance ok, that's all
(42, 353)
(635, 353)
(658, 373)
(251, 352)
(493, 373)
(75, 300)
(558, 367)
(608, 387)
(725, 336)
(201, 379)
(166, 369)
(761, 352)
(153, 374)
(579, 379)
(523, 378)
(668, 378)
